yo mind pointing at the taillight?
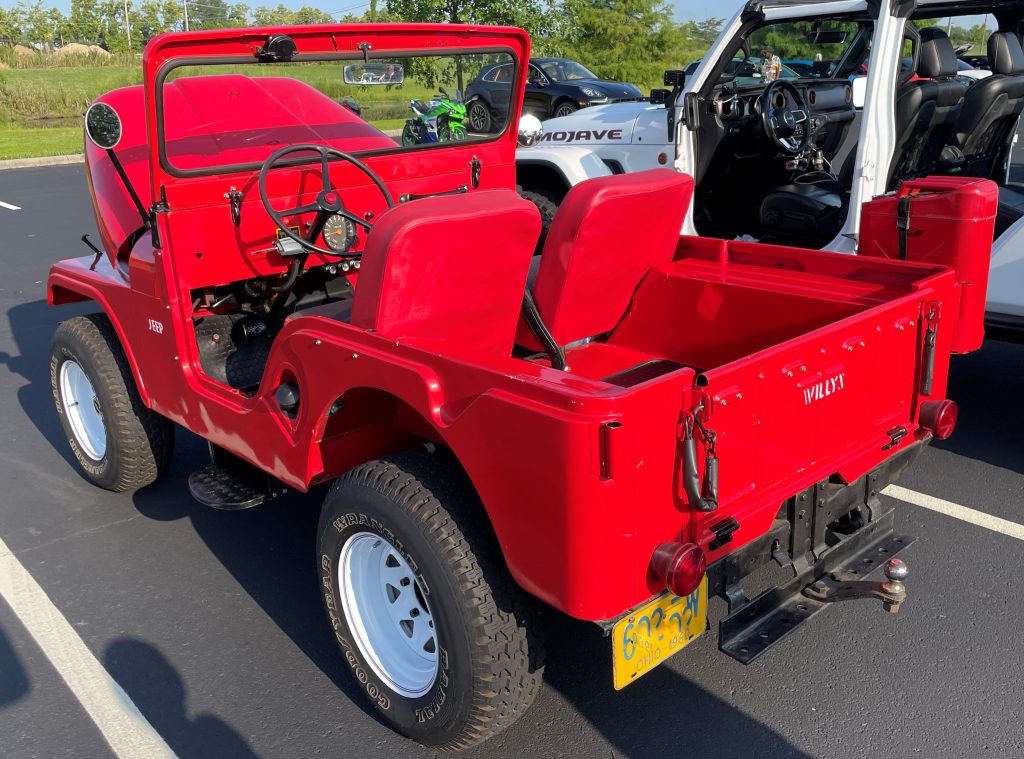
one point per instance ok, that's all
(939, 417)
(680, 566)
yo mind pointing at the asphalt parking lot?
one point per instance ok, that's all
(211, 621)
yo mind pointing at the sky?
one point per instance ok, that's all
(685, 10)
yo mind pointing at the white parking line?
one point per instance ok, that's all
(955, 510)
(9, 207)
(119, 721)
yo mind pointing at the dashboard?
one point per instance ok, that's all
(830, 103)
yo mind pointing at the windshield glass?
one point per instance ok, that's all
(562, 70)
(231, 115)
(796, 49)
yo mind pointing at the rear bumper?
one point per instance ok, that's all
(812, 535)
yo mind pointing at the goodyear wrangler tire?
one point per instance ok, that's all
(431, 625)
(118, 442)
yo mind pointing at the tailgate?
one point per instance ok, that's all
(831, 401)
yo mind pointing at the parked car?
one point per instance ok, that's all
(814, 193)
(554, 87)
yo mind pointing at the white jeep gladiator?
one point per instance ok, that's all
(793, 160)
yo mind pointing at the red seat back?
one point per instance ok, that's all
(449, 269)
(606, 236)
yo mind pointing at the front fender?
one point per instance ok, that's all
(571, 163)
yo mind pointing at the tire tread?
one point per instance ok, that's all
(504, 626)
(145, 440)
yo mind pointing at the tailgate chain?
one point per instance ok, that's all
(702, 497)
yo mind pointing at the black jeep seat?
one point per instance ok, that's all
(991, 109)
(812, 214)
(927, 108)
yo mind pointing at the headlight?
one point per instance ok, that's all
(592, 93)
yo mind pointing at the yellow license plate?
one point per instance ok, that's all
(652, 633)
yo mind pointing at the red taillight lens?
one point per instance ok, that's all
(939, 417)
(680, 566)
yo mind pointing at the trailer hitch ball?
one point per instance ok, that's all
(679, 566)
(895, 573)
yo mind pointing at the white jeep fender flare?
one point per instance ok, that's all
(539, 167)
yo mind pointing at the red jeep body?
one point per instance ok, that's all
(808, 367)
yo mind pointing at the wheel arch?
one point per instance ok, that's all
(551, 167)
(387, 424)
(61, 293)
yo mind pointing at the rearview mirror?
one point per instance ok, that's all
(374, 73)
(103, 126)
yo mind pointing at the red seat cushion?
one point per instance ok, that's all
(449, 269)
(606, 236)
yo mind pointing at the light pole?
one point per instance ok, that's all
(127, 25)
(184, 7)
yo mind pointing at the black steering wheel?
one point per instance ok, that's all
(779, 122)
(328, 202)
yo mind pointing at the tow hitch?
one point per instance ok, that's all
(827, 567)
(845, 586)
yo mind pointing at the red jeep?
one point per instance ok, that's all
(619, 426)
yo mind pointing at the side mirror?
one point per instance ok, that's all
(674, 78)
(530, 130)
(103, 126)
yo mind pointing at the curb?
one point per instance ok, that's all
(31, 163)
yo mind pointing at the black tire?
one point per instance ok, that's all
(479, 117)
(565, 108)
(489, 655)
(138, 442)
(547, 203)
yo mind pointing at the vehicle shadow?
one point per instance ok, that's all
(270, 552)
(986, 387)
(32, 326)
(663, 714)
(14, 683)
(159, 692)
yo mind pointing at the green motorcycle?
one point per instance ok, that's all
(442, 119)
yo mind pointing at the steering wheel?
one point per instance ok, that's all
(328, 202)
(779, 123)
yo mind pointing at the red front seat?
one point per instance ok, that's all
(423, 278)
(606, 236)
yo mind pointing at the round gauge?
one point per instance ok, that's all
(339, 233)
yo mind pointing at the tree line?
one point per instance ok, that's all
(629, 40)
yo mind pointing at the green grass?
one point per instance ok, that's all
(30, 142)
(41, 108)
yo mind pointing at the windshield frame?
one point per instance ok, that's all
(218, 170)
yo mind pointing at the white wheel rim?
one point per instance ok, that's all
(82, 408)
(388, 613)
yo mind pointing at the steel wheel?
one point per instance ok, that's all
(565, 109)
(391, 620)
(83, 410)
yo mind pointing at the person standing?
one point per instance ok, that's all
(771, 66)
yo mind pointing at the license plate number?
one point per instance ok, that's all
(647, 637)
